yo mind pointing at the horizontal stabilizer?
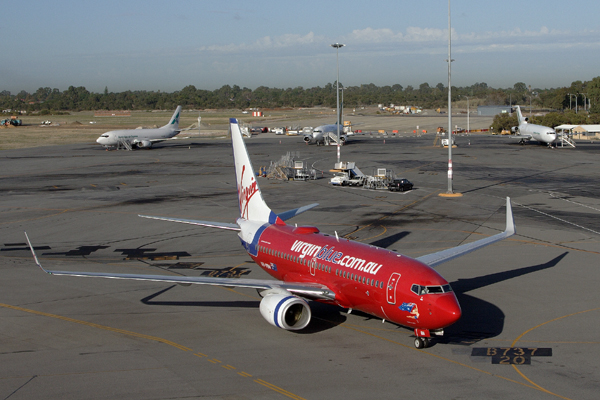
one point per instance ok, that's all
(296, 211)
(435, 259)
(210, 224)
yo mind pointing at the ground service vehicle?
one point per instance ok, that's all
(400, 185)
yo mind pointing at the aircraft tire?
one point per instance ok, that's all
(419, 343)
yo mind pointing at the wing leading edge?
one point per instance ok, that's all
(314, 291)
(435, 259)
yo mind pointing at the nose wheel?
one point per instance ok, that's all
(421, 342)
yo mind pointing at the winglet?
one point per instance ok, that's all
(34, 255)
(440, 257)
(510, 223)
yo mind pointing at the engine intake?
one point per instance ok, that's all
(284, 310)
(143, 144)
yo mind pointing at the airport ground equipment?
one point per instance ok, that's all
(564, 139)
(380, 179)
(290, 168)
(347, 174)
(124, 144)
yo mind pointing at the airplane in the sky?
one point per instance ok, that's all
(527, 131)
(320, 133)
(309, 265)
(142, 138)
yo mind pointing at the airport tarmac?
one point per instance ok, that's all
(69, 337)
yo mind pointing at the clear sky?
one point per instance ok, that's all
(167, 45)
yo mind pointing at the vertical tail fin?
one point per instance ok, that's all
(520, 118)
(174, 122)
(251, 202)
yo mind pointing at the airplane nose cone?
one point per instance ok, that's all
(447, 310)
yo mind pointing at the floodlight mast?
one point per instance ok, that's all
(449, 105)
(337, 52)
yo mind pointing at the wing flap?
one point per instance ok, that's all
(435, 259)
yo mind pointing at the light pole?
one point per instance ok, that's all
(468, 114)
(569, 94)
(530, 94)
(342, 106)
(337, 83)
(450, 191)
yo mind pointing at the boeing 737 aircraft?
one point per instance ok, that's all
(319, 134)
(142, 138)
(527, 131)
(309, 265)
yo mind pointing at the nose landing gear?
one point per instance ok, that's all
(421, 342)
(422, 338)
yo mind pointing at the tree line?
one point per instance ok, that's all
(47, 100)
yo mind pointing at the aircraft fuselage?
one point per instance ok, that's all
(135, 136)
(540, 133)
(377, 281)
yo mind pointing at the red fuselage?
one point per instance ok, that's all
(377, 281)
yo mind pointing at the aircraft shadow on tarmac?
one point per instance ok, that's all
(324, 316)
(480, 319)
(390, 240)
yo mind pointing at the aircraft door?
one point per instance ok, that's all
(313, 266)
(391, 288)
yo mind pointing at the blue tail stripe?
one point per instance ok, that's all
(272, 217)
(251, 248)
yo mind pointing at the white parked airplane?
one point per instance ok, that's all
(527, 131)
(319, 134)
(142, 138)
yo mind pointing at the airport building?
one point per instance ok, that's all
(493, 110)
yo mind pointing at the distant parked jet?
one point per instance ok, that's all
(527, 131)
(142, 138)
(322, 133)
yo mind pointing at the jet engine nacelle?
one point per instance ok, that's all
(144, 144)
(307, 139)
(284, 310)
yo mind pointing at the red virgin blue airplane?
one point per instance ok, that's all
(307, 264)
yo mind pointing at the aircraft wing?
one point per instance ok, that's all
(284, 216)
(435, 259)
(210, 224)
(313, 291)
(169, 138)
(525, 137)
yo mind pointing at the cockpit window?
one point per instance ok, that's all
(421, 290)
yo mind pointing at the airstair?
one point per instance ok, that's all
(124, 144)
(331, 139)
(564, 139)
